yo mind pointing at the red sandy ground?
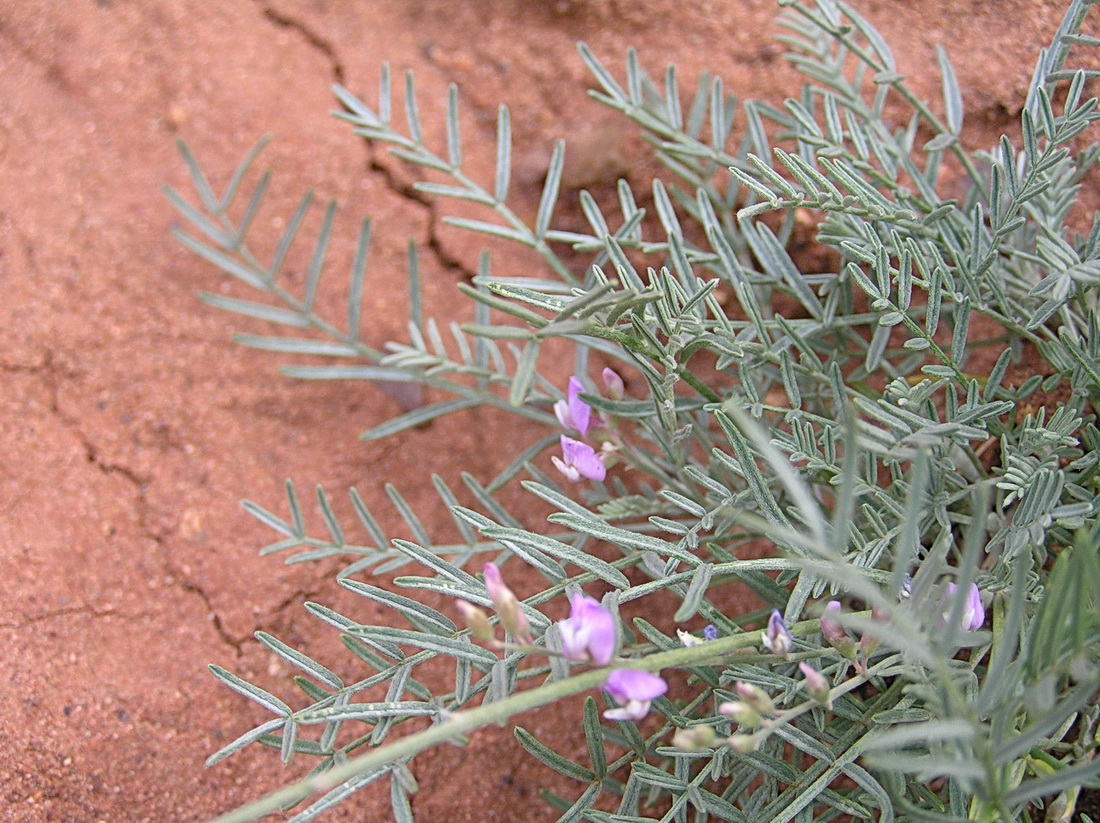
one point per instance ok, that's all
(131, 426)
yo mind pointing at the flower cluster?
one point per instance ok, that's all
(579, 459)
(589, 635)
(833, 633)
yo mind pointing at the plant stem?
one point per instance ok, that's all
(461, 723)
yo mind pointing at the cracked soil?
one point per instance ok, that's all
(131, 426)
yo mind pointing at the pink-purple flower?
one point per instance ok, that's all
(573, 413)
(589, 631)
(973, 613)
(579, 460)
(776, 638)
(634, 691)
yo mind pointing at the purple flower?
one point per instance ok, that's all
(635, 690)
(589, 631)
(973, 613)
(906, 587)
(710, 633)
(777, 639)
(574, 413)
(579, 460)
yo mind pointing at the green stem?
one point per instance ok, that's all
(788, 716)
(461, 723)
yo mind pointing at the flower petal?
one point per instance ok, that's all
(589, 633)
(579, 411)
(571, 474)
(561, 411)
(630, 684)
(632, 710)
(602, 638)
(582, 458)
(974, 613)
(776, 638)
(616, 389)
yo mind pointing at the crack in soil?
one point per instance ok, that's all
(297, 598)
(311, 37)
(24, 368)
(53, 375)
(406, 191)
(215, 619)
(83, 609)
(447, 260)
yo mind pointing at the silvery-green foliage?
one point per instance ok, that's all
(831, 413)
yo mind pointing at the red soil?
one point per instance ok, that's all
(132, 426)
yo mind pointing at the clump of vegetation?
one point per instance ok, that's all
(912, 431)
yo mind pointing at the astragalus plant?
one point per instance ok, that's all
(897, 454)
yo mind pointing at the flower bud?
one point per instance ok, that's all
(616, 390)
(687, 639)
(868, 644)
(816, 685)
(744, 743)
(833, 633)
(776, 638)
(755, 697)
(477, 621)
(742, 714)
(831, 630)
(506, 605)
(867, 647)
(694, 738)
